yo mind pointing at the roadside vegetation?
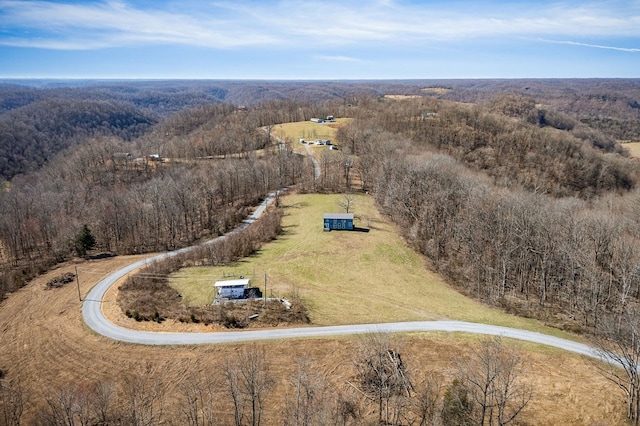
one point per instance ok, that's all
(346, 277)
(521, 200)
(147, 295)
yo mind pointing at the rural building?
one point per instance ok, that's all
(338, 221)
(317, 120)
(231, 289)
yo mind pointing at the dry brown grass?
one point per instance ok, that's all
(348, 277)
(402, 96)
(45, 344)
(633, 147)
(436, 90)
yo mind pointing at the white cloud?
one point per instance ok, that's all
(115, 23)
(596, 46)
(297, 23)
(337, 58)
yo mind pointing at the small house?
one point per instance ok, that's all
(231, 289)
(317, 120)
(338, 221)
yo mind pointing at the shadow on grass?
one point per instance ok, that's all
(287, 230)
(358, 229)
(355, 229)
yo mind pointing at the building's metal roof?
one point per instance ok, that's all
(338, 216)
(232, 283)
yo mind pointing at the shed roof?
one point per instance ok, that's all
(338, 216)
(232, 283)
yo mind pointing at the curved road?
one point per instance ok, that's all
(95, 319)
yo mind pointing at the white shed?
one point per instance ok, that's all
(231, 289)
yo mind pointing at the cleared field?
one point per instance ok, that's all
(308, 130)
(347, 277)
(46, 344)
(402, 96)
(633, 147)
(436, 90)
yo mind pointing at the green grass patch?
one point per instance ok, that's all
(348, 277)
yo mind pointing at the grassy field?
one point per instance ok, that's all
(347, 277)
(308, 130)
(46, 343)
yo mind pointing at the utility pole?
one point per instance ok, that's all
(264, 296)
(78, 282)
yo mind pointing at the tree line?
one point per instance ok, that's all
(38, 118)
(134, 204)
(31, 136)
(380, 384)
(147, 296)
(510, 231)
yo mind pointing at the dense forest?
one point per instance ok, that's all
(40, 118)
(518, 192)
(433, 160)
(518, 213)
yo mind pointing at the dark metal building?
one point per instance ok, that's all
(338, 221)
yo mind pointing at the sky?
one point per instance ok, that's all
(319, 40)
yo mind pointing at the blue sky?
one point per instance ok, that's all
(326, 40)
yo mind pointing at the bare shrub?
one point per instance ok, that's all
(249, 384)
(382, 375)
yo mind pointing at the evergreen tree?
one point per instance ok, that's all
(84, 241)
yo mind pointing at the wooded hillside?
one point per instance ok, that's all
(39, 118)
(538, 220)
(524, 200)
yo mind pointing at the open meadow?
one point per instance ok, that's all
(343, 276)
(308, 130)
(347, 277)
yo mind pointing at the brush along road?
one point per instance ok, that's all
(95, 319)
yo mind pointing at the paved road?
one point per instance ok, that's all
(95, 319)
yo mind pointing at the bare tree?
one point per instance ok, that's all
(249, 382)
(62, 406)
(347, 409)
(144, 397)
(11, 403)
(311, 403)
(426, 401)
(199, 393)
(492, 380)
(382, 374)
(103, 402)
(619, 347)
(346, 202)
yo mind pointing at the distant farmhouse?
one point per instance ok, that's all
(235, 289)
(329, 119)
(338, 221)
